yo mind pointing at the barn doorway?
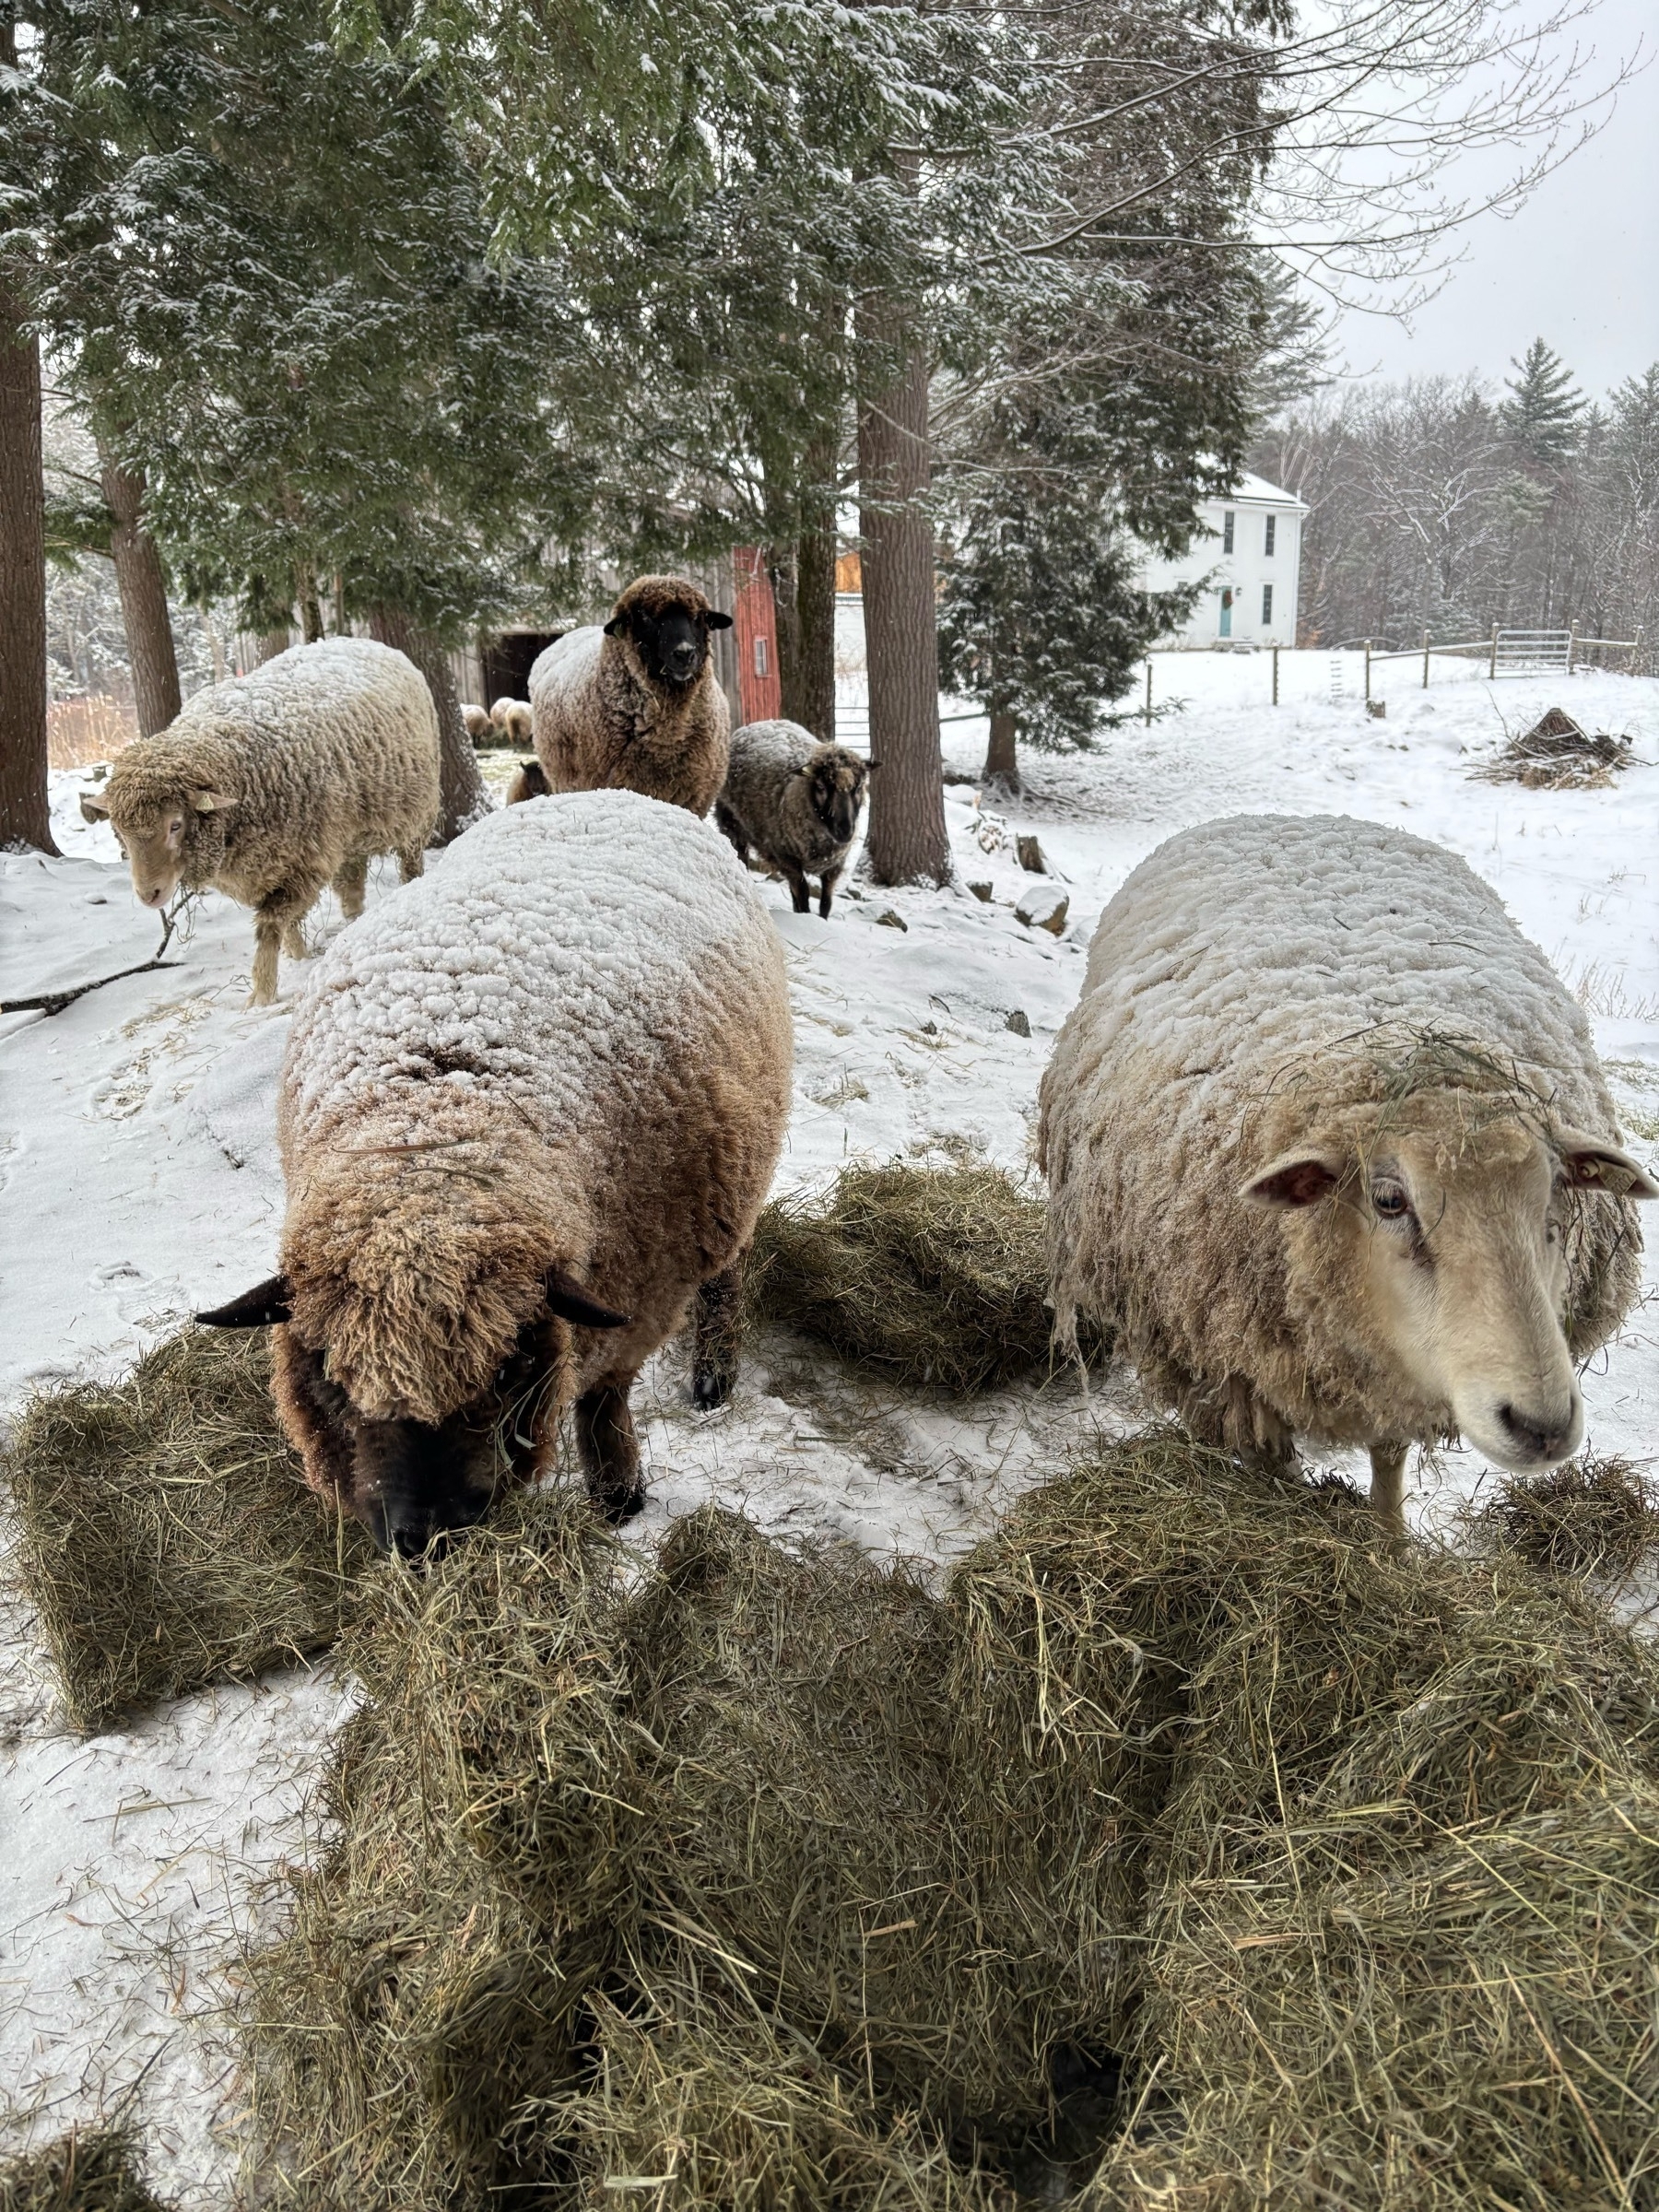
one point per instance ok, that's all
(507, 661)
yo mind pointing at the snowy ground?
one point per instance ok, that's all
(137, 1163)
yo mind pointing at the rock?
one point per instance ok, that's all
(1044, 906)
(1019, 1022)
(1031, 855)
(981, 891)
(891, 920)
(1377, 709)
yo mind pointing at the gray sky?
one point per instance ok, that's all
(1578, 266)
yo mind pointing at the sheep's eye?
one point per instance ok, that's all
(1391, 1202)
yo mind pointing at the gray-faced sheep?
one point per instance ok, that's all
(796, 802)
(1329, 1150)
(529, 1111)
(634, 706)
(276, 784)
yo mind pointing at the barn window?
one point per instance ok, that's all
(1267, 603)
(1227, 530)
(1269, 532)
(759, 656)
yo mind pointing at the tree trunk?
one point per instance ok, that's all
(809, 676)
(143, 591)
(463, 798)
(311, 607)
(272, 642)
(1002, 762)
(25, 809)
(907, 794)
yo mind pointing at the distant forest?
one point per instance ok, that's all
(1439, 504)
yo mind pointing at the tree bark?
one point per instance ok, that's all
(24, 808)
(272, 642)
(809, 671)
(1002, 760)
(906, 839)
(463, 799)
(143, 591)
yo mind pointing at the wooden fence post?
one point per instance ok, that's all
(1149, 690)
(1492, 671)
(1571, 645)
(1636, 649)
(1368, 647)
(1275, 654)
(1425, 659)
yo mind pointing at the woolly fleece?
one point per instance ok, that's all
(1258, 982)
(602, 724)
(769, 794)
(570, 1047)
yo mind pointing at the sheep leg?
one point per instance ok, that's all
(277, 921)
(719, 1337)
(411, 862)
(348, 885)
(1387, 1488)
(727, 822)
(797, 887)
(826, 883)
(609, 1450)
(293, 941)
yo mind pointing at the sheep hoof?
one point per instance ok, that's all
(615, 1507)
(710, 1388)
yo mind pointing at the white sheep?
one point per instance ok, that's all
(510, 719)
(480, 724)
(275, 785)
(1329, 1150)
(796, 802)
(530, 1109)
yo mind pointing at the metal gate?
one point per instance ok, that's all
(1532, 653)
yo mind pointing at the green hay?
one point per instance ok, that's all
(773, 1880)
(79, 2174)
(1595, 1517)
(930, 1276)
(167, 1538)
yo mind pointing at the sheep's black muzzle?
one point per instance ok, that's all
(414, 1488)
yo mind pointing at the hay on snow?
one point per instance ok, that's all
(922, 1276)
(773, 1880)
(168, 1538)
(1595, 1517)
(92, 2172)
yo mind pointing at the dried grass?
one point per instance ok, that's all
(167, 1537)
(1557, 755)
(79, 2174)
(1595, 1517)
(930, 1276)
(775, 1881)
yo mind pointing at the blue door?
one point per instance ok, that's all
(1227, 613)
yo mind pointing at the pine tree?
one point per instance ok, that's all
(1544, 412)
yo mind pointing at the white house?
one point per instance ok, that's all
(1248, 556)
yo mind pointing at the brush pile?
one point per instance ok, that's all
(80, 2173)
(168, 1538)
(1556, 754)
(1184, 1850)
(928, 1276)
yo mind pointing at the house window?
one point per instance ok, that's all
(1269, 532)
(759, 656)
(1267, 603)
(1227, 530)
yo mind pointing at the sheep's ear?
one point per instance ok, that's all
(93, 807)
(1588, 1164)
(256, 1309)
(714, 619)
(1294, 1180)
(570, 1302)
(617, 626)
(210, 802)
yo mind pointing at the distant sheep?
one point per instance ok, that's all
(510, 719)
(796, 802)
(275, 785)
(634, 706)
(479, 728)
(529, 1111)
(1329, 1150)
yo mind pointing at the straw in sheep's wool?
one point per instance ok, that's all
(167, 1538)
(774, 1876)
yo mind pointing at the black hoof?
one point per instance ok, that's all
(615, 1510)
(708, 1389)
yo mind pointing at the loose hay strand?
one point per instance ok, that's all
(167, 1539)
(90, 2173)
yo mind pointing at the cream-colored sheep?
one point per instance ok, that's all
(480, 724)
(510, 720)
(1329, 1150)
(276, 784)
(634, 706)
(530, 1111)
(796, 802)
